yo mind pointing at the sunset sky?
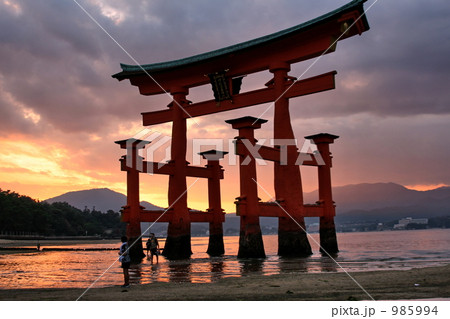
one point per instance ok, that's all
(60, 110)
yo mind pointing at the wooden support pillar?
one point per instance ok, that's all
(215, 246)
(250, 241)
(130, 163)
(178, 242)
(328, 241)
(292, 238)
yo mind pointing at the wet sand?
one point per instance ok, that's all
(421, 283)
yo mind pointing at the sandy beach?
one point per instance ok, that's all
(421, 283)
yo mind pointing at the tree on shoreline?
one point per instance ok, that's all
(20, 213)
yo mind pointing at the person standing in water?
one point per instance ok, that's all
(125, 260)
(153, 247)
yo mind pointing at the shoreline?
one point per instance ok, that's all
(21, 243)
(18, 246)
(417, 283)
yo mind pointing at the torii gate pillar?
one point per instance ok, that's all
(328, 241)
(130, 163)
(215, 244)
(178, 242)
(292, 238)
(250, 237)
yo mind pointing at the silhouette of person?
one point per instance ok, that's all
(153, 247)
(125, 260)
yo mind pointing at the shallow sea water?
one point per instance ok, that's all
(358, 252)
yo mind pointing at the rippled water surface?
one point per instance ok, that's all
(358, 252)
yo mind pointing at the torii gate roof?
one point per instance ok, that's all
(295, 44)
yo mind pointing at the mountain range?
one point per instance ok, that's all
(377, 202)
(381, 202)
(101, 199)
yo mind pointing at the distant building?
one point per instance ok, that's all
(402, 223)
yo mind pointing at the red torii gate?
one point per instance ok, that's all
(225, 69)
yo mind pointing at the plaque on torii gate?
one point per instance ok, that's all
(224, 69)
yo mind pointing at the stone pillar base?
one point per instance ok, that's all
(177, 247)
(215, 245)
(251, 245)
(136, 251)
(293, 244)
(292, 238)
(328, 240)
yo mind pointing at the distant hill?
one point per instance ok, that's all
(377, 202)
(386, 201)
(103, 199)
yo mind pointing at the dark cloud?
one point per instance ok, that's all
(56, 62)
(401, 63)
(12, 118)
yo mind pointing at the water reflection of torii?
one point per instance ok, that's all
(225, 69)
